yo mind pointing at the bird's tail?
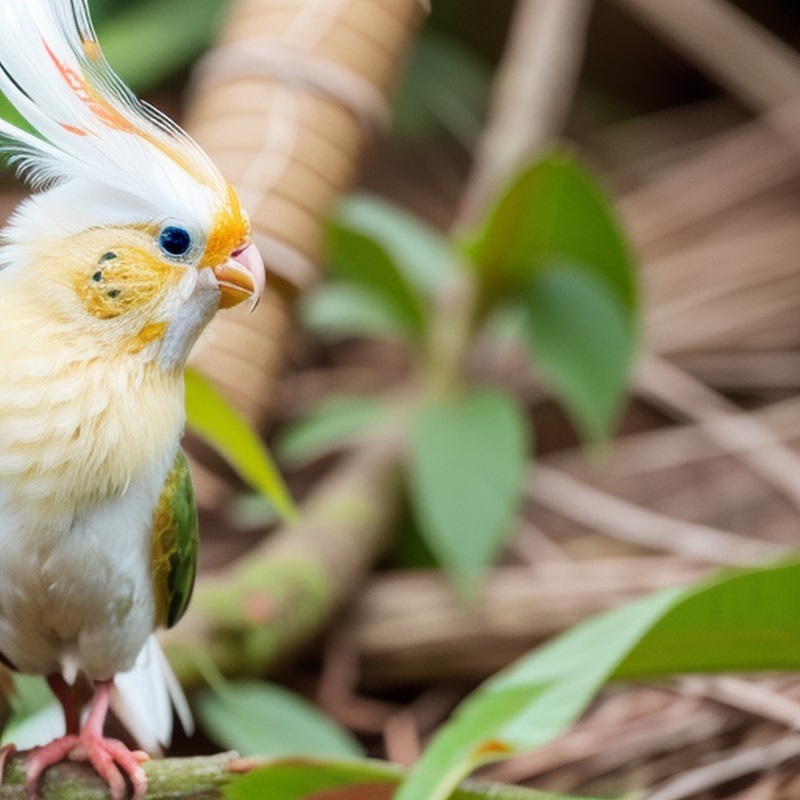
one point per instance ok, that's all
(143, 699)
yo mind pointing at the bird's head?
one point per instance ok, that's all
(132, 237)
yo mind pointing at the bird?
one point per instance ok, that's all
(128, 244)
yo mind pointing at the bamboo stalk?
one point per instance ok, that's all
(285, 105)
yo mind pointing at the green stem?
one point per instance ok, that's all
(451, 337)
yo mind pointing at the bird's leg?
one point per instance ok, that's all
(110, 758)
(65, 694)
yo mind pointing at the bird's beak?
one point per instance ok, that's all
(242, 277)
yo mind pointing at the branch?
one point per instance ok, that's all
(199, 778)
(205, 778)
(409, 628)
(269, 605)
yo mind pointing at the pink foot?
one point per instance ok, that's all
(111, 759)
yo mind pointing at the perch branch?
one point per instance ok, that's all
(199, 778)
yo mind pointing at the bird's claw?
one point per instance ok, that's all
(110, 758)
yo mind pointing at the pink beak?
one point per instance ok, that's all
(241, 277)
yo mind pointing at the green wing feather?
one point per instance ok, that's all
(173, 550)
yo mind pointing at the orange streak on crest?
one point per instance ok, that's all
(108, 115)
(103, 110)
(73, 129)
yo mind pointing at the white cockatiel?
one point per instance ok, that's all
(129, 245)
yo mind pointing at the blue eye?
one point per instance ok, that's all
(175, 241)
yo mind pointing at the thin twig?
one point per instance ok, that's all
(621, 519)
(749, 441)
(531, 97)
(746, 695)
(751, 62)
(740, 763)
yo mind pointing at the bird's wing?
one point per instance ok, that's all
(173, 550)
(141, 697)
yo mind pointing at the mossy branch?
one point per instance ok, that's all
(205, 777)
(251, 617)
(199, 778)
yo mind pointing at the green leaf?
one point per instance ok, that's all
(358, 260)
(747, 620)
(315, 779)
(303, 779)
(581, 340)
(328, 427)
(467, 464)
(424, 256)
(150, 41)
(338, 310)
(215, 421)
(741, 621)
(256, 718)
(554, 212)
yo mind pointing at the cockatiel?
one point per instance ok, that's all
(129, 245)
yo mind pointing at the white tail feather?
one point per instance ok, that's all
(143, 699)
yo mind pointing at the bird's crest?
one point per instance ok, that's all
(86, 122)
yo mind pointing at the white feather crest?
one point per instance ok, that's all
(88, 125)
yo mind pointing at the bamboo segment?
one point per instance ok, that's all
(284, 105)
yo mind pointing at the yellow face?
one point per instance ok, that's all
(114, 285)
(121, 289)
(128, 277)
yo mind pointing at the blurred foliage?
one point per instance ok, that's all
(549, 257)
(256, 718)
